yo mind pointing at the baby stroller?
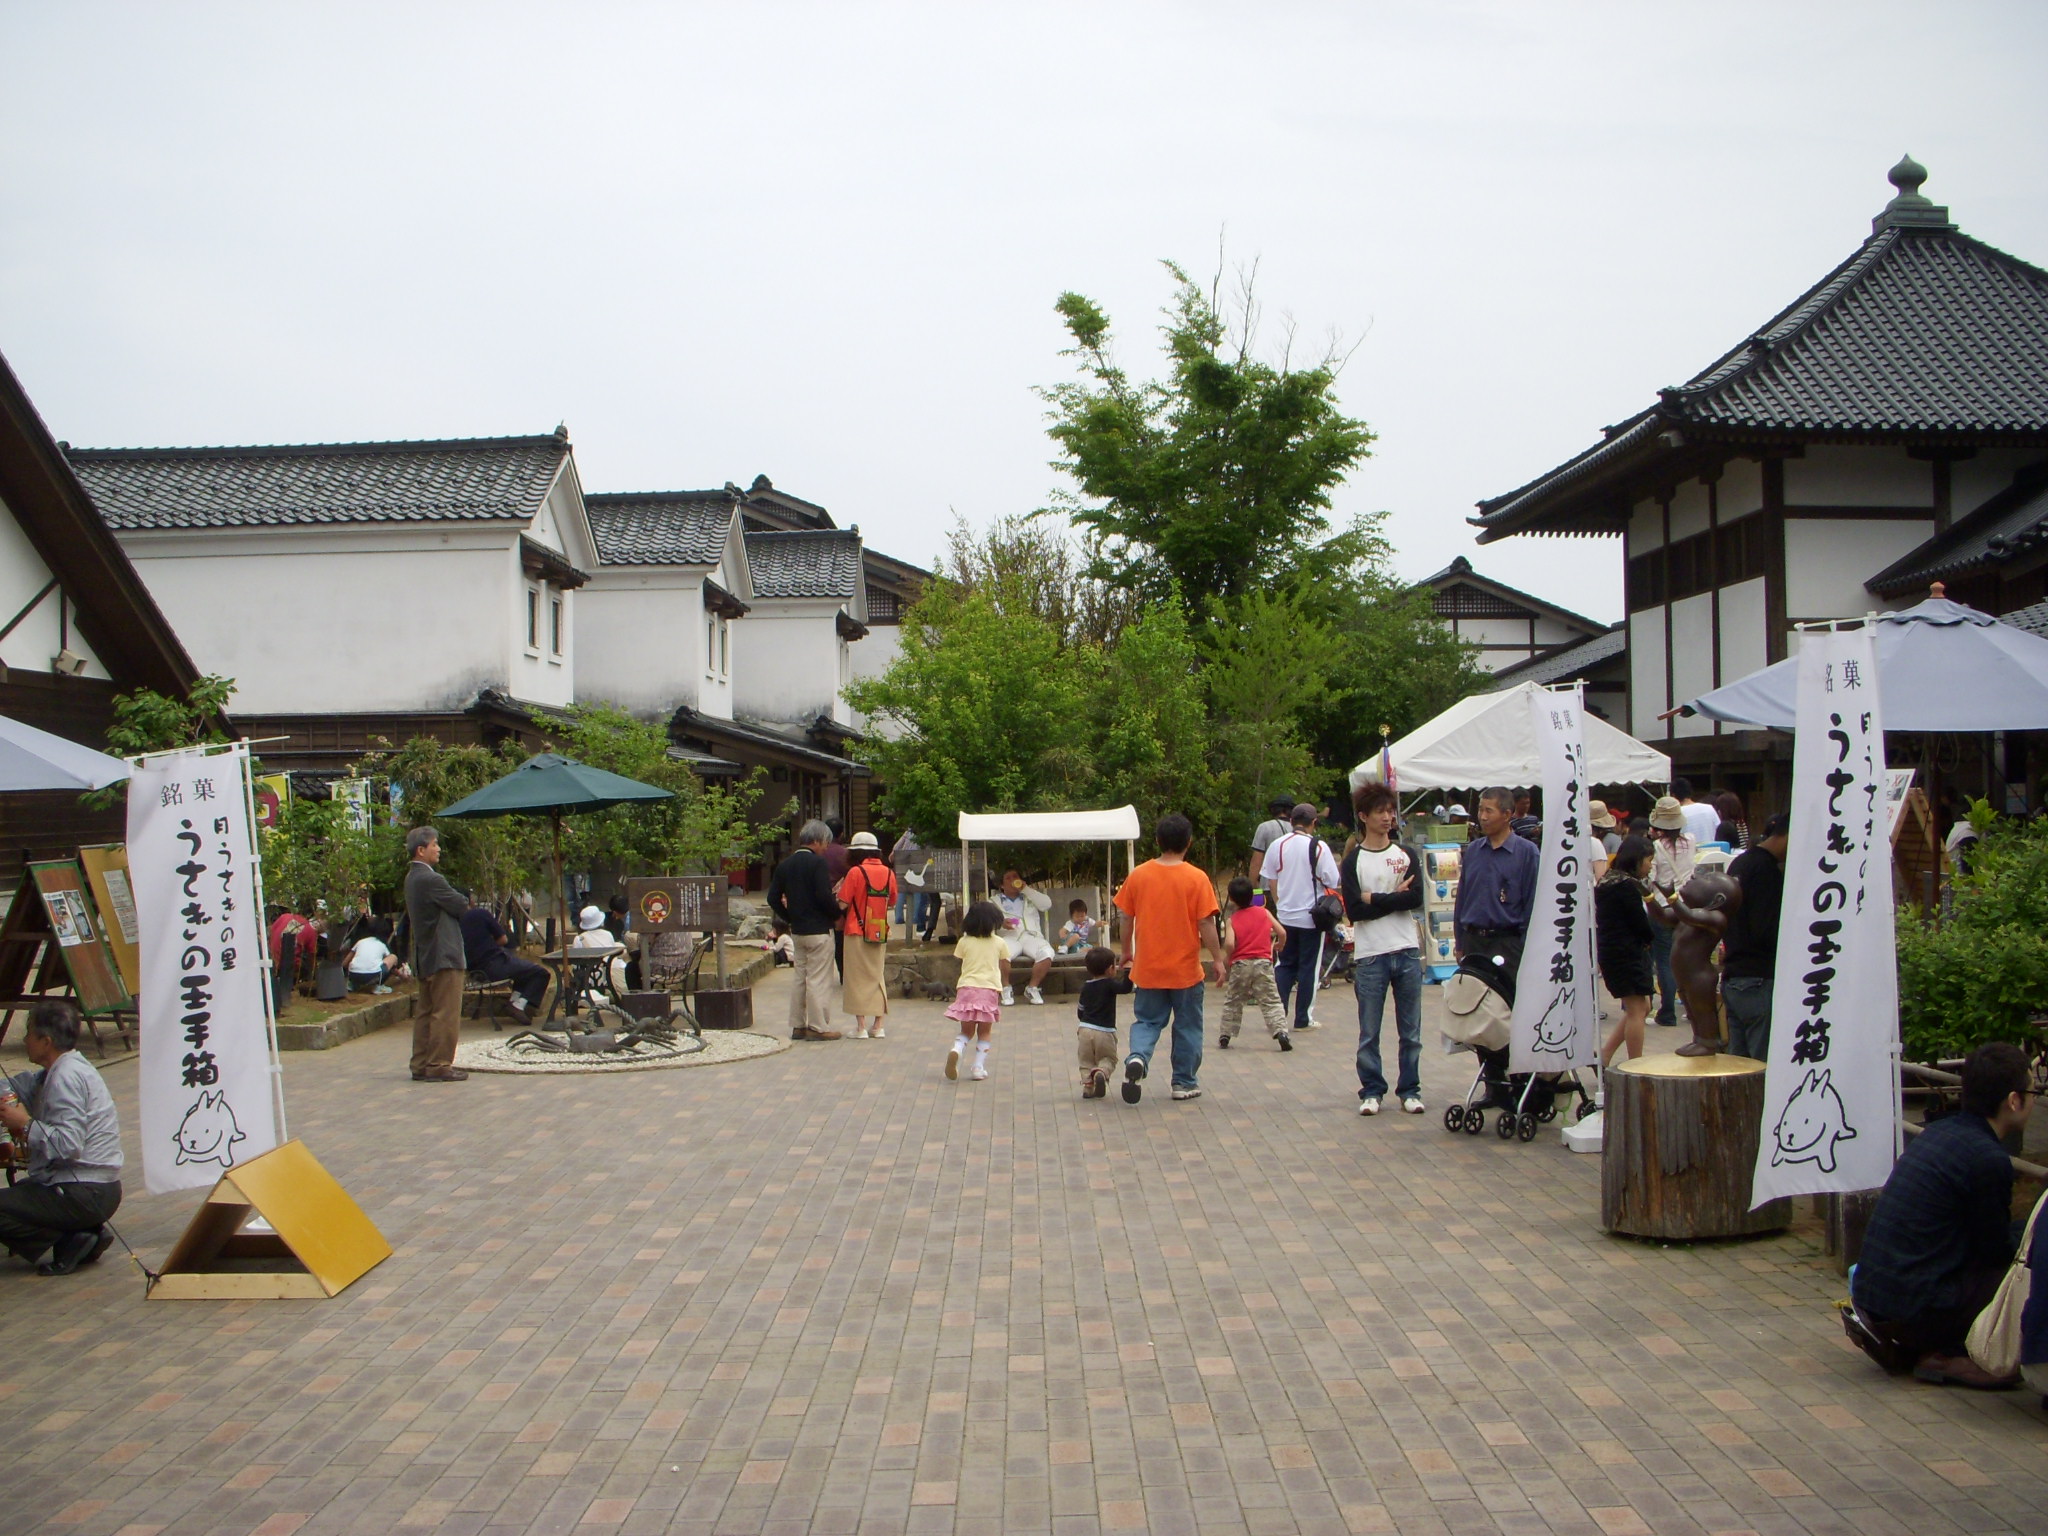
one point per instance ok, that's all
(1337, 957)
(1479, 1000)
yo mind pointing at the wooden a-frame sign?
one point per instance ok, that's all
(321, 1242)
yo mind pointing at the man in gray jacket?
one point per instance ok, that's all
(435, 910)
(73, 1182)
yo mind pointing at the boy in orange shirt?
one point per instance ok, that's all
(1172, 928)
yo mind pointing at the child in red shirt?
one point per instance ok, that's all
(1253, 929)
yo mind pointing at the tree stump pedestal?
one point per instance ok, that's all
(1680, 1146)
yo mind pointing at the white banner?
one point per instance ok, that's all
(1556, 1022)
(1830, 1098)
(206, 1088)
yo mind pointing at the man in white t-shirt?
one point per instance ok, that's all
(1382, 892)
(1023, 931)
(1269, 832)
(1702, 822)
(1298, 868)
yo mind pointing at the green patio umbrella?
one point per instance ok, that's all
(553, 786)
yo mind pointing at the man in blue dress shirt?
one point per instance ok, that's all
(1496, 883)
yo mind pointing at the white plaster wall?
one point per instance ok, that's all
(384, 620)
(1688, 510)
(787, 666)
(871, 658)
(539, 675)
(1745, 637)
(1646, 673)
(1645, 528)
(1841, 475)
(1974, 481)
(1827, 560)
(35, 641)
(1692, 659)
(638, 640)
(1551, 632)
(1740, 489)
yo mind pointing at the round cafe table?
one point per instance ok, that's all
(579, 972)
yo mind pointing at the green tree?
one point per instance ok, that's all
(1217, 477)
(1151, 740)
(981, 711)
(314, 854)
(148, 721)
(490, 858)
(1027, 563)
(1982, 973)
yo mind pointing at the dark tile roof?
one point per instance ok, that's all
(1504, 599)
(474, 479)
(1562, 663)
(2010, 524)
(1923, 334)
(660, 527)
(821, 563)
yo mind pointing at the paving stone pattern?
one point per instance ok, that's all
(830, 1291)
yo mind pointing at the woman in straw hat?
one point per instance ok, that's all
(1670, 868)
(868, 895)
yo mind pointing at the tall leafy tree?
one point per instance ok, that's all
(1215, 477)
(1269, 664)
(1150, 722)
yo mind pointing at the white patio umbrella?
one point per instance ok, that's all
(33, 759)
(1941, 666)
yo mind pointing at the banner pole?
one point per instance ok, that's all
(263, 935)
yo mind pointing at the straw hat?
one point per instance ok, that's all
(864, 840)
(1602, 817)
(1667, 815)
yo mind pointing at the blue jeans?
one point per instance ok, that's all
(1371, 977)
(1661, 940)
(1299, 957)
(1151, 1007)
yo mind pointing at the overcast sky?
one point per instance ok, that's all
(822, 242)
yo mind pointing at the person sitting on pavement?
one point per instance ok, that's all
(72, 1186)
(487, 948)
(1024, 907)
(371, 963)
(1941, 1237)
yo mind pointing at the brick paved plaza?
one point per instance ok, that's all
(831, 1291)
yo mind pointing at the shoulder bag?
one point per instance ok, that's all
(1994, 1339)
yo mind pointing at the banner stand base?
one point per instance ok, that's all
(318, 1244)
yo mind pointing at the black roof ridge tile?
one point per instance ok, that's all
(294, 450)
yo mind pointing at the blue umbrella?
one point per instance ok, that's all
(1941, 666)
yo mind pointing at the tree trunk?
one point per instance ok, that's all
(1680, 1146)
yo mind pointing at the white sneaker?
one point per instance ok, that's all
(1035, 997)
(878, 1033)
(1311, 1022)
(1009, 998)
(860, 1034)
(953, 1064)
(1412, 1104)
(1368, 1106)
(980, 1072)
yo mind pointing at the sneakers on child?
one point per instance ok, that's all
(979, 1072)
(1369, 1105)
(1284, 1040)
(953, 1064)
(1134, 1077)
(1035, 997)
(1223, 1042)
(1009, 998)
(1411, 1103)
(1097, 1085)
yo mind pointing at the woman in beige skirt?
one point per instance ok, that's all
(869, 895)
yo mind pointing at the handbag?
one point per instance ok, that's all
(1994, 1339)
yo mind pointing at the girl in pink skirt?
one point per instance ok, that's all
(984, 972)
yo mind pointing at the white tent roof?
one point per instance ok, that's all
(1486, 739)
(1119, 825)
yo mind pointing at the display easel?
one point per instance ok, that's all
(83, 970)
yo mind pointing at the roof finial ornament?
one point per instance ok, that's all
(1909, 209)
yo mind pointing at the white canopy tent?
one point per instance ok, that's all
(1107, 827)
(1487, 739)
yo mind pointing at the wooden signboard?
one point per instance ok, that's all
(677, 904)
(106, 871)
(319, 1242)
(76, 927)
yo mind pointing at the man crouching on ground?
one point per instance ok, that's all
(73, 1182)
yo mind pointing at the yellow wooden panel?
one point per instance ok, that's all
(231, 1286)
(312, 1213)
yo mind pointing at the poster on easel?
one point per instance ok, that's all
(80, 943)
(106, 872)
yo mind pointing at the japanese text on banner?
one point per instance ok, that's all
(1556, 1022)
(1830, 1098)
(206, 1089)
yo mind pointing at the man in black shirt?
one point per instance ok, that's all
(1941, 1238)
(802, 894)
(487, 947)
(1750, 961)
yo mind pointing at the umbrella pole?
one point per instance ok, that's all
(561, 899)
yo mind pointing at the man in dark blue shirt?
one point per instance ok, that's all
(1496, 882)
(1941, 1238)
(486, 947)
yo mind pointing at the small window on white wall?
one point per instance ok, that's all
(533, 618)
(725, 647)
(711, 645)
(555, 625)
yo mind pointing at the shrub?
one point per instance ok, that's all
(1982, 973)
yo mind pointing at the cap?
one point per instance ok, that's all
(1457, 810)
(1303, 812)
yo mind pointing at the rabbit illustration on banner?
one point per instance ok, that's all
(1812, 1123)
(208, 1133)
